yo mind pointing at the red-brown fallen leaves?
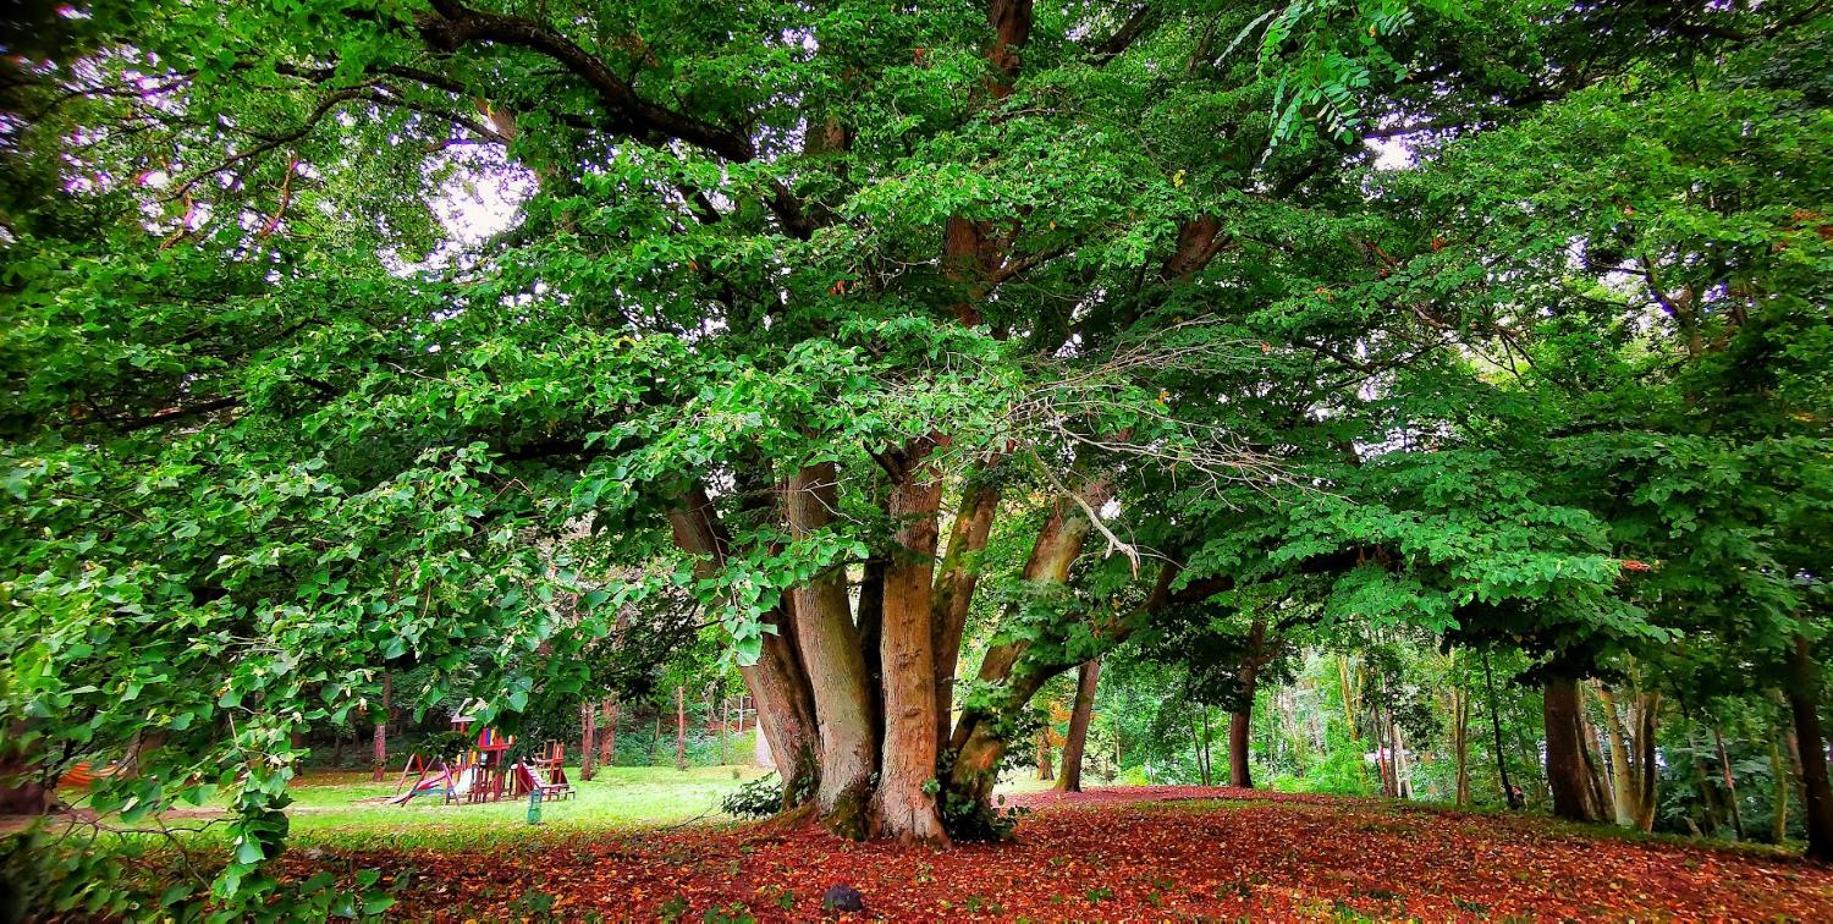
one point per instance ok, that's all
(1161, 854)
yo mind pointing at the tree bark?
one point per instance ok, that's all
(1041, 740)
(829, 640)
(976, 745)
(1076, 742)
(1567, 774)
(1622, 774)
(588, 740)
(954, 592)
(1596, 773)
(1460, 743)
(1648, 772)
(777, 683)
(680, 727)
(1802, 687)
(905, 803)
(607, 738)
(1240, 720)
(869, 620)
(1731, 786)
(379, 759)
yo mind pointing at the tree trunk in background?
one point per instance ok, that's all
(1510, 794)
(22, 792)
(1647, 770)
(954, 592)
(607, 737)
(1460, 743)
(655, 741)
(1351, 706)
(1087, 676)
(1240, 721)
(588, 740)
(1403, 772)
(828, 638)
(1731, 786)
(1567, 773)
(905, 803)
(1209, 764)
(1596, 773)
(1778, 818)
(725, 725)
(379, 760)
(680, 727)
(1622, 775)
(1803, 692)
(1042, 743)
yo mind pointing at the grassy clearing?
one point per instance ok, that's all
(345, 810)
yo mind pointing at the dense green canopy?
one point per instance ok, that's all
(343, 336)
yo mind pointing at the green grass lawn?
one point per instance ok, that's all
(344, 809)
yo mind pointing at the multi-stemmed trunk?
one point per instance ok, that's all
(828, 638)
(904, 804)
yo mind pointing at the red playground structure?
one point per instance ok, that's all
(484, 772)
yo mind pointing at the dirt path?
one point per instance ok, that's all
(1159, 854)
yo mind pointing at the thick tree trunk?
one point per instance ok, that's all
(1567, 773)
(1076, 742)
(954, 592)
(1240, 720)
(1802, 687)
(828, 638)
(777, 684)
(1239, 773)
(905, 803)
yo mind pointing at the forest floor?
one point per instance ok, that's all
(1119, 854)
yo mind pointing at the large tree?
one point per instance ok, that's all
(794, 310)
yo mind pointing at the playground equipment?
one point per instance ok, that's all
(484, 772)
